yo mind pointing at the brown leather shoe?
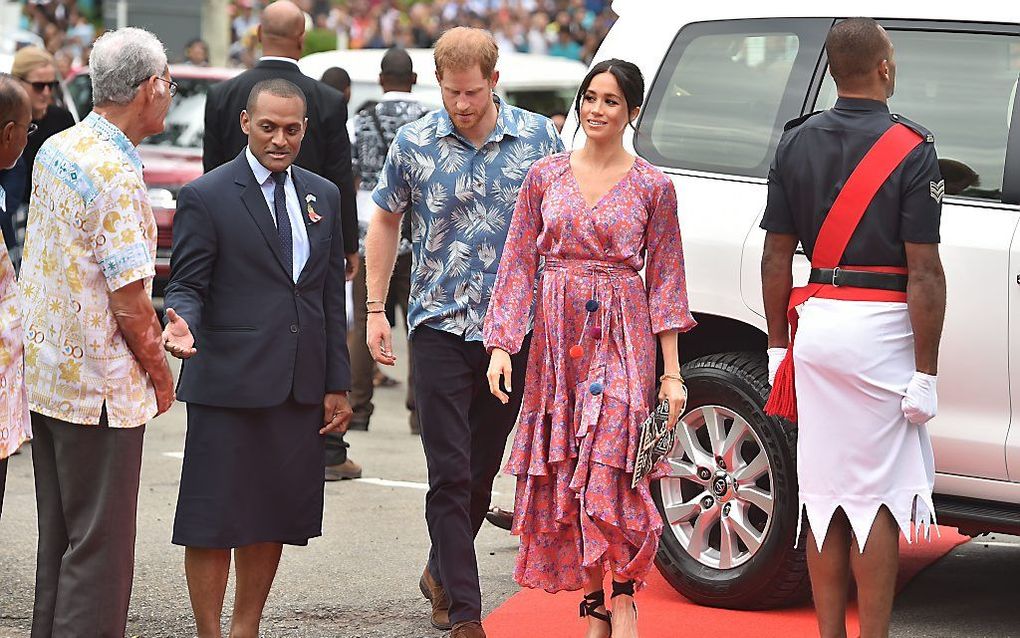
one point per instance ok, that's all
(469, 629)
(346, 470)
(436, 595)
(500, 518)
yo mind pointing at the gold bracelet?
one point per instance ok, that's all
(674, 377)
(374, 301)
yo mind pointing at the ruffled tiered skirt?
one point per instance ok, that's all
(579, 427)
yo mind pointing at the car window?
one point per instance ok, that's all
(724, 91)
(185, 121)
(80, 88)
(960, 86)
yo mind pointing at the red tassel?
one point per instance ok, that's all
(783, 398)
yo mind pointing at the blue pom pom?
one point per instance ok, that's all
(596, 389)
(591, 305)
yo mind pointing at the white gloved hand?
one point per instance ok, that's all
(921, 402)
(776, 356)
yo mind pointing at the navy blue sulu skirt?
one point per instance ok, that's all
(251, 476)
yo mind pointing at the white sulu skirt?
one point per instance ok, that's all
(855, 449)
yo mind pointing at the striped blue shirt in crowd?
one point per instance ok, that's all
(460, 199)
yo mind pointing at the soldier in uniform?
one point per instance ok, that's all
(859, 188)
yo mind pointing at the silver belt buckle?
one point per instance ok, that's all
(835, 276)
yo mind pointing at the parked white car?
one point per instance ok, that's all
(722, 79)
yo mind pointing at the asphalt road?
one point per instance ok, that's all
(360, 579)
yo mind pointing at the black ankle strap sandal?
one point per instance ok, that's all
(591, 604)
(623, 589)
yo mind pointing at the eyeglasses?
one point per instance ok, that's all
(173, 85)
(31, 127)
(39, 87)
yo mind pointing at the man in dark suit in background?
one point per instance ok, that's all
(257, 273)
(326, 151)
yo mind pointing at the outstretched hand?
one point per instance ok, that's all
(177, 337)
(499, 367)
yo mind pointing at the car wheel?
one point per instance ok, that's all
(729, 504)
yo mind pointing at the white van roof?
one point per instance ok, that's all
(972, 11)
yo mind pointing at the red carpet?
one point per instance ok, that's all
(665, 614)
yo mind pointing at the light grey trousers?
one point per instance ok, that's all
(86, 483)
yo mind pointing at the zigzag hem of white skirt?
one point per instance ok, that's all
(915, 515)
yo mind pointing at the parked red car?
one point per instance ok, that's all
(174, 157)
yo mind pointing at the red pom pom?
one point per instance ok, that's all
(576, 352)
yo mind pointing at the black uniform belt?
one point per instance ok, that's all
(858, 279)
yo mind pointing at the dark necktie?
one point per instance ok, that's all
(283, 221)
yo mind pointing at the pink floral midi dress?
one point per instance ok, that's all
(591, 369)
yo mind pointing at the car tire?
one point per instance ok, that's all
(774, 574)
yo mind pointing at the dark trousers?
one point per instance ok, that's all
(362, 365)
(86, 483)
(463, 430)
(3, 483)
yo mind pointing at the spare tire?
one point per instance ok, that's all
(730, 503)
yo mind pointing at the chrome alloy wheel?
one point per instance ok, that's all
(718, 497)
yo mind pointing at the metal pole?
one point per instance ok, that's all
(216, 30)
(122, 14)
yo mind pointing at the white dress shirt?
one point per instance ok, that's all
(264, 177)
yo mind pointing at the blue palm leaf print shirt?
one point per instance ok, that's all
(460, 199)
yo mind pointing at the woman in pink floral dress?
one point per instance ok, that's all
(596, 216)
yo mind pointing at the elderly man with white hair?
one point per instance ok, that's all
(95, 371)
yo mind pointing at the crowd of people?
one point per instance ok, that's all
(65, 28)
(570, 28)
(255, 306)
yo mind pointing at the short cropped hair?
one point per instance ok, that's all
(396, 65)
(855, 47)
(278, 87)
(462, 48)
(336, 77)
(120, 61)
(12, 98)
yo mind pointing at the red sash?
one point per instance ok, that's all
(837, 229)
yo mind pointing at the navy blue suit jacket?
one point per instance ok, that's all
(260, 337)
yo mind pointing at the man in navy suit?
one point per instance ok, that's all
(255, 304)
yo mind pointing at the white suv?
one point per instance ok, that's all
(722, 79)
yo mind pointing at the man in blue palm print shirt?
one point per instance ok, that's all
(457, 172)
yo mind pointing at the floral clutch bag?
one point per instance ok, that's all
(656, 441)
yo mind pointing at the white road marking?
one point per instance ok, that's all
(388, 483)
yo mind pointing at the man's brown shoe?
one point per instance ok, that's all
(469, 629)
(346, 470)
(436, 595)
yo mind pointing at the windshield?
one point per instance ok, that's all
(185, 122)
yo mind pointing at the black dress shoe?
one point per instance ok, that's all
(500, 518)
